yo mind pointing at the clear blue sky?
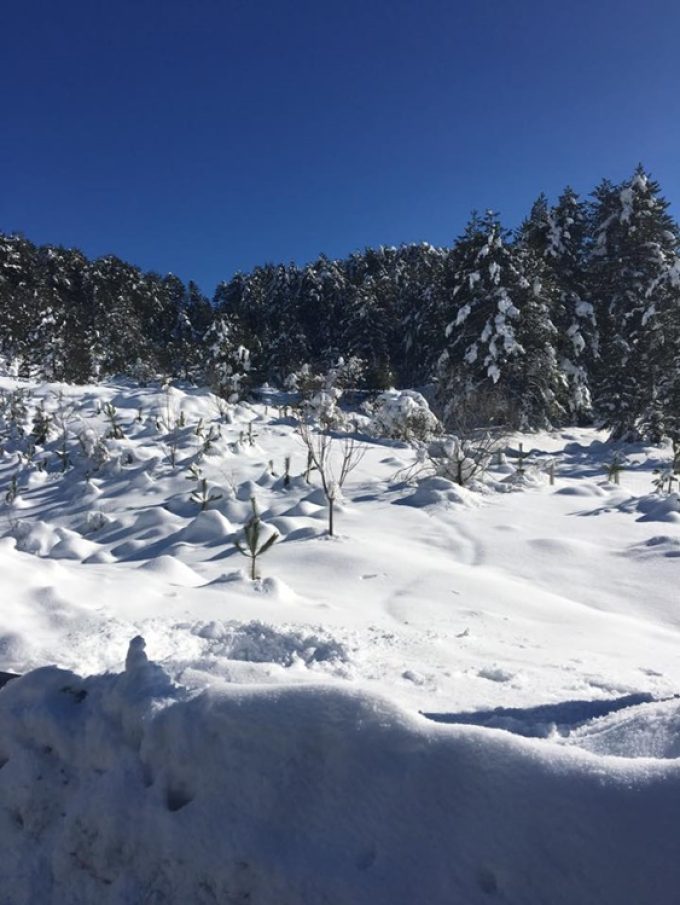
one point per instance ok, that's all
(206, 136)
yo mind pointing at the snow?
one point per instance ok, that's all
(121, 788)
(265, 741)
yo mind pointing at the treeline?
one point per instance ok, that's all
(575, 316)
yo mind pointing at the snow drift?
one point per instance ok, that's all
(126, 789)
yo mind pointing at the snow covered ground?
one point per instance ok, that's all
(535, 626)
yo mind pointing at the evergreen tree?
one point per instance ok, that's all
(500, 361)
(228, 363)
(554, 243)
(635, 277)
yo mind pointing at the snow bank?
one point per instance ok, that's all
(123, 789)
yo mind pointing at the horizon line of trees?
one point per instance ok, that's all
(572, 318)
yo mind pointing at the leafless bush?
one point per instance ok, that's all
(334, 457)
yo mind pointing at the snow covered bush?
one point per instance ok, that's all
(461, 459)
(402, 415)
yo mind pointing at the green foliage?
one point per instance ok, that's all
(253, 547)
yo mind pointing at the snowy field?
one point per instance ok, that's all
(464, 696)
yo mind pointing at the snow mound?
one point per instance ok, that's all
(72, 545)
(257, 642)
(154, 517)
(208, 527)
(37, 537)
(123, 789)
(583, 489)
(659, 545)
(303, 509)
(659, 509)
(436, 491)
(172, 570)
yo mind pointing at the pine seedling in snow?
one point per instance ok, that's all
(209, 438)
(115, 431)
(551, 472)
(42, 423)
(286, 471)
(664, 480)
(520, 460)
(12, 490)
(195, 473)
(253, 547)
(614, 469)
(201, 494)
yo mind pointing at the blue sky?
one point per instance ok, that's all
(208, 136)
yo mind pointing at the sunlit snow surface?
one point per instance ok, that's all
(276, 753)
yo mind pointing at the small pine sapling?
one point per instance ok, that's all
(12, 490)
(173, 443)
(664, 480)
(18, 412)
(201, 494)
(115, 431)
(208, 439)
(520, 460)
(614, 469)
(253, 547)
(42, 423)
(286, 472)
